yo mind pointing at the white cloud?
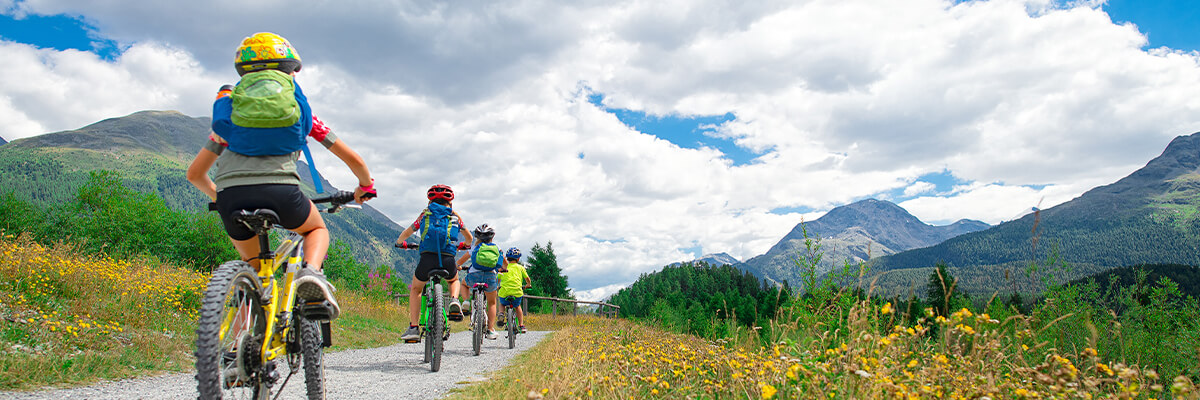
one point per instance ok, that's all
(600, 293)
(918, 187)
(47, 90)
(847, 99)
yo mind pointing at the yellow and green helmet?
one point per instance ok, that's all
(266, 50)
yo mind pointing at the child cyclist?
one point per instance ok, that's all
(255, 154)
(512, 284)
(484, 259)
(438, 246)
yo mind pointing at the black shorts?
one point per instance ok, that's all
(288, 201)
(429, 262)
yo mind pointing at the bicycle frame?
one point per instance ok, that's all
(426, 298)
(279, 301)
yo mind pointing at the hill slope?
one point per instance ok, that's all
(1148, 217)
(854, 232)
(151, 151)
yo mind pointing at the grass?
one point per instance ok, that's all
(69, 319)
(852, 350)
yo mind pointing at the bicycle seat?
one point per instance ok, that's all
(261, 219)
(480, 285)
(440, 273)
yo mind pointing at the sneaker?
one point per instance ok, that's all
(313, 289)
(522, 328)
(500, 322)
(412, 334)
(491, 335)
(455, 310)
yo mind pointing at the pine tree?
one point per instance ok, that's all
(941, 290)
(547, 278)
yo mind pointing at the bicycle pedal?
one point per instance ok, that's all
(317, 311)
(412, 340)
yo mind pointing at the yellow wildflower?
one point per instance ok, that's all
(768, 391)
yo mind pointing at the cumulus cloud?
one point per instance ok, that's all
(48, 90)
(1027, 101)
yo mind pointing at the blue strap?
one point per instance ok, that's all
(312, 170)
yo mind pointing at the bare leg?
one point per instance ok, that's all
(414, 301)
(316, 238)
(248, 250)
(491, 310)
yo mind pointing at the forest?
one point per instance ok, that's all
(699, 298)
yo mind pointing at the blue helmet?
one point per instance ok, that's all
(513, 254)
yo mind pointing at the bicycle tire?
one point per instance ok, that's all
(314, 365)
(478, 320)
(428, 345)
(232, 283)
(512, 326)
(437, 321)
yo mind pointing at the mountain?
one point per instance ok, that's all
(151, 151)
(716, 260)
(1148, 217)
(854, 232)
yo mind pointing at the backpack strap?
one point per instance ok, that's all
(312, 169)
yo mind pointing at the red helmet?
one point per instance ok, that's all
(440, 192)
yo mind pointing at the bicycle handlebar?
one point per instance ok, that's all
(338, 200)
(407, 246)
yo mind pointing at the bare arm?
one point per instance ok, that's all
(465, 233)
(357, 166)
(197, 173)
(405, 234)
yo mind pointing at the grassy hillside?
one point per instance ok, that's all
(150, 151)
(1148, 217)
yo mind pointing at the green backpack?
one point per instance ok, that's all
(487, 257)
(265, 99)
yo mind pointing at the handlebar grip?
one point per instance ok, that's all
(368, 195)
(463, 246)
(341, 197)
(212, 206)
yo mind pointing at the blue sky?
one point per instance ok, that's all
(594, 110)
(57, 32)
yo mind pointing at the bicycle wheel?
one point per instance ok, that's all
(229, 336)
(478, 320)
(437, 323)
(314, 366)
(511, 316)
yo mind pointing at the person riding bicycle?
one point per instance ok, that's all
(485, 259)
(512, 284)
(256, 159)
(437, 250)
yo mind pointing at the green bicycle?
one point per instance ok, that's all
(249, 319)
(434, 316)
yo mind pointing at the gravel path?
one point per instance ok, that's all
(392, 372)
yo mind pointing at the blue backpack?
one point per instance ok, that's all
(438, 230)
(266, 115)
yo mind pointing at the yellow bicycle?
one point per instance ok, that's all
(249, 319)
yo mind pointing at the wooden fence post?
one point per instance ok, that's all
(554, 308)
